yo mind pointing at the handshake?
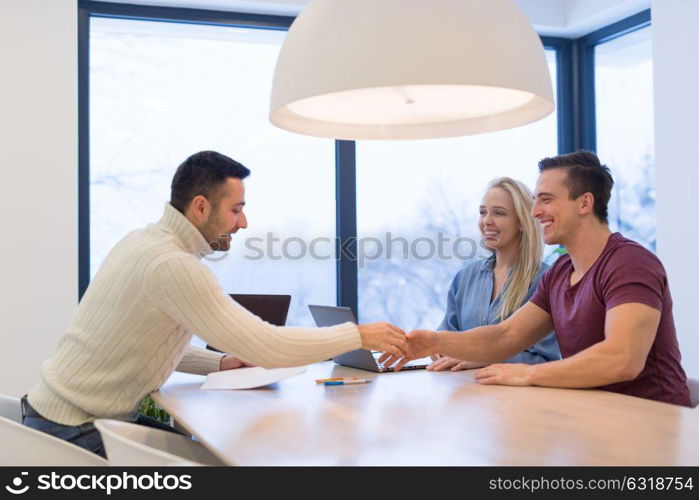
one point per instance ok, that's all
(397, 346)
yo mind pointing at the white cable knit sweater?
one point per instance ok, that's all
(134, 323)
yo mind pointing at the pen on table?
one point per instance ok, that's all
(335, 379)
(347, 382)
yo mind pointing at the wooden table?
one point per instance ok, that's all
(428, 418)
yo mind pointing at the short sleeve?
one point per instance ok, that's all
(633, 275)
(541, 295)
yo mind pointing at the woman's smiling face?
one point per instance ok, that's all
(498, 222)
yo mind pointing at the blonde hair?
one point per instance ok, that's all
(530, 246)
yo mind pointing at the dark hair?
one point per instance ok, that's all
(202, 174)
(585, 175)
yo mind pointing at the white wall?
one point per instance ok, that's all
(675, 25)
(38, 183)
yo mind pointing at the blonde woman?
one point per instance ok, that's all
(487, 292)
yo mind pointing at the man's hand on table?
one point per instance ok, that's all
(443, 363)
(506, 374)
(229, 362)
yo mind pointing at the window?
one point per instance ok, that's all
(417, 212)
(624, 118)
(162, 91)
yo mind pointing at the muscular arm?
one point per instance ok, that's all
(493, 343)
(485, 344)
(629, 334)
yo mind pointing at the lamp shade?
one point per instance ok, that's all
(409, 69)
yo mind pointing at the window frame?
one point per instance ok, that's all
(585, 48)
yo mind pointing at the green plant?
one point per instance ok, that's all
(150, 408)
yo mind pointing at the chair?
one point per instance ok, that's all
(130, 444)
(22, 446)
(10, 408)
(693, 391)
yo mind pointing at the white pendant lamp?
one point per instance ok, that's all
(409, 69)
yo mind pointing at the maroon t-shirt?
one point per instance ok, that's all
(625, 272)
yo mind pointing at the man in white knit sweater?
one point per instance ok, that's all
(134, 323)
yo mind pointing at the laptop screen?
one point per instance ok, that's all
(331, 315)
(271, 308)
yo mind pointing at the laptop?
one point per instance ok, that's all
(361, 358)
(271, 308)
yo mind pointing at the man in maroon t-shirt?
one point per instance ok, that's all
(608, 301)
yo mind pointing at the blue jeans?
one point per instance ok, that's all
(86, 435)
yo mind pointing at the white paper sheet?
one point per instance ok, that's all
(249, 378)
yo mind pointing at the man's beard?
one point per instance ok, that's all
(214, 239)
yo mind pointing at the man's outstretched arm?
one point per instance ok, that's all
(487, 344)
(629, 334)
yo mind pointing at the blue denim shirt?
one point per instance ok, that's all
(469, 306)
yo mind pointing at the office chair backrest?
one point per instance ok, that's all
(130, 444)
(693, 390)
(10, 408)
(24, 446)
